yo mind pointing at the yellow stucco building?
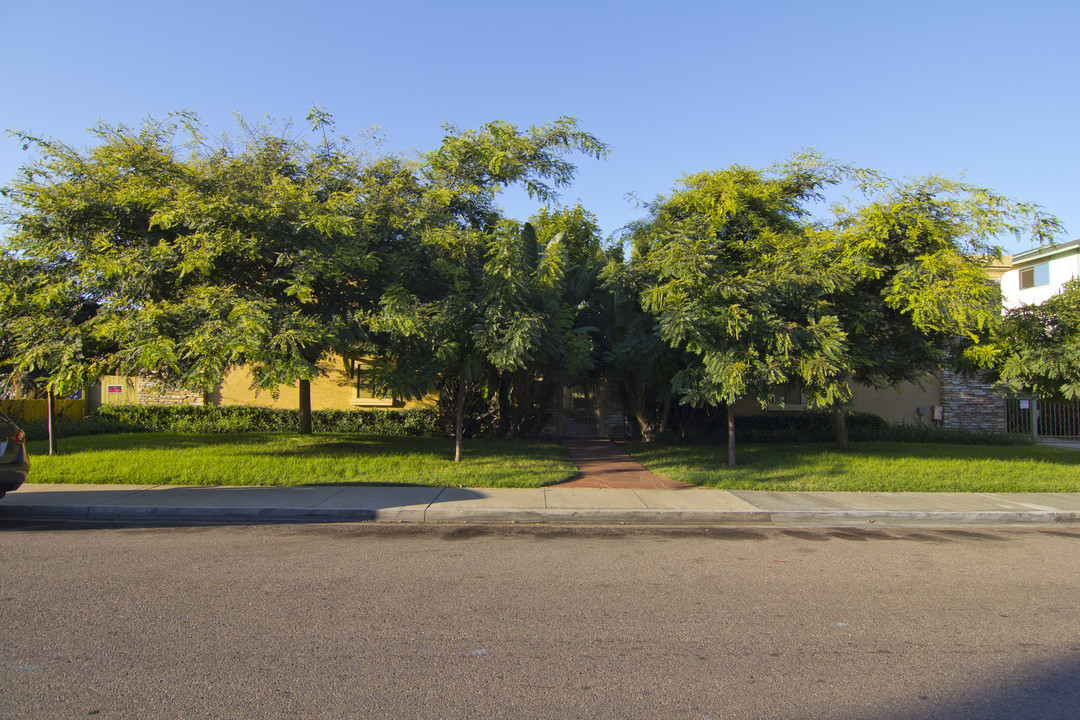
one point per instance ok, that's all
(339, 387)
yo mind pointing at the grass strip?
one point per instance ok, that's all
(289, 459)
(868, 467)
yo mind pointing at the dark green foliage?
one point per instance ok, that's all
(479, 419)
(66, 427)
(928, 434)
(806, 427)
(1039, 347)
(420, 422)
(530, 248)
(161, 251)
(813, 427)
(490, 296)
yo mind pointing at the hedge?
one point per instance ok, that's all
(238, 419)
(862, 427)
(425, 422)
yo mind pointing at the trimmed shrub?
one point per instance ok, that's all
(238, 419)
(67, 427)
(929, 434)
(805, 427)
(426, 422)
(820, 427)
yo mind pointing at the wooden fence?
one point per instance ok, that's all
(30, 410)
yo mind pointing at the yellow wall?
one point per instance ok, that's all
(893, 406)
(336, 391)
(900, 407)
(37, 409)
(996, 268)
(128, 395)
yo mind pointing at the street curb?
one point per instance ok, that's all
(600, 516)
(187, 514)
(391, 516)
(594, 516)
(924, 517)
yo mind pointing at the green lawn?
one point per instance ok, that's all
(878, 466)
(285, 459)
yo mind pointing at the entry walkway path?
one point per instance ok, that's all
(605, 465)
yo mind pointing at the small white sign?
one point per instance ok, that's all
(1025, 404)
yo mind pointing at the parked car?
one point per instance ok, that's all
(14, 462)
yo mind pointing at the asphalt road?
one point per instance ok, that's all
(354, 621)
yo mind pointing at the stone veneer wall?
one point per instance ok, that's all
(152, 392)
(971, 404)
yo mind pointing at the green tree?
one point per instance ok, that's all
(539, 320)
(736, 284)
(45, 349)
(1039, 347)
(475, 309)
(914, 296)
(632, 349)
(530, 329)
(740, 276)
(581, 234)
(199, 255)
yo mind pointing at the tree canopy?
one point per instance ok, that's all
(736, 284)
(1039, 347)
(488, 301)
(915, 296)
(162, 250)
(759, 292)
(190, 256)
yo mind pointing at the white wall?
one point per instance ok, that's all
(1062, 269)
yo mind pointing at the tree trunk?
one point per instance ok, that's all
(731, 435)
(842, 442)
(459, 418)
(49, 421)
(305, 407)
(634, 393)
(521, 400)
(505, 422)
(666, 417)
(545, 393)
(644, 425)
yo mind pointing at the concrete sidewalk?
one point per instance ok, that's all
(391, 504)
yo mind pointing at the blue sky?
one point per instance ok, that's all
(986, 89)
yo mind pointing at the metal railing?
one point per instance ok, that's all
(1051, 419)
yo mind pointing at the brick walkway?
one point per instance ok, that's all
(603, 464)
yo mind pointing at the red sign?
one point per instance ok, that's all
(115, 389)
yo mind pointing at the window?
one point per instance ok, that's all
(1034, 276)
(793, 394)
(364, 398)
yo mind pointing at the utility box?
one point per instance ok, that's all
(937, 413)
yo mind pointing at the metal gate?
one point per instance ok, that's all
(1052, 419)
